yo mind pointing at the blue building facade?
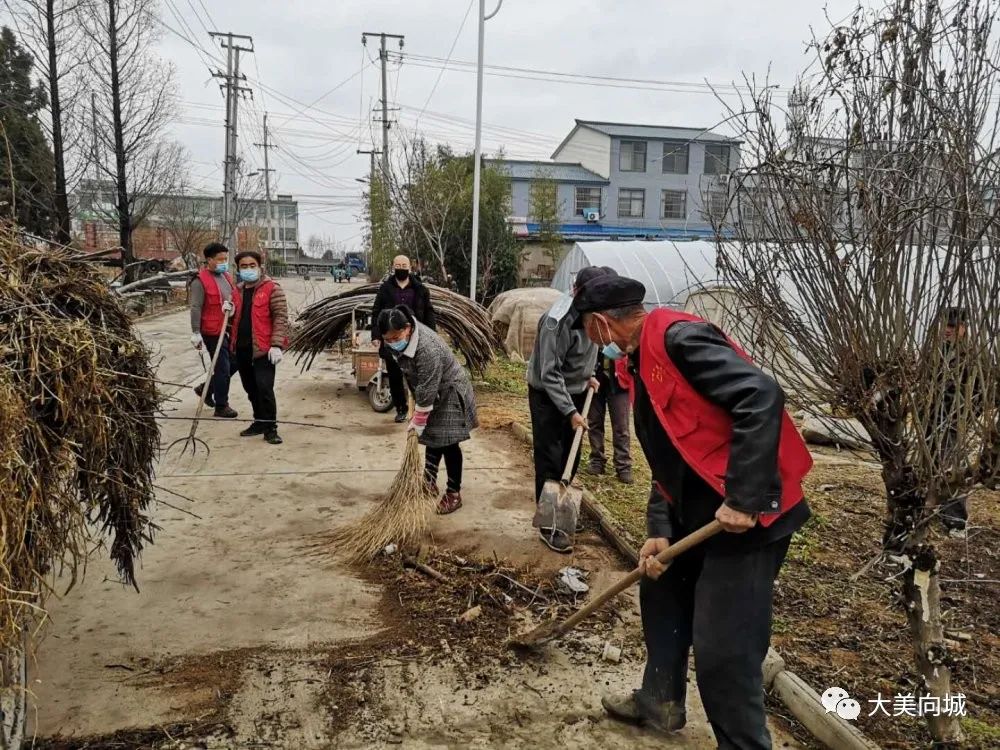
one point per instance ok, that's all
(619, 180)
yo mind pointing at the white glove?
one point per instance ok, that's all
(228, 307)
(196, 340)
(274, 355)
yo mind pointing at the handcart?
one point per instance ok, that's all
(369, 372)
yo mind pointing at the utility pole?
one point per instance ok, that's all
(232, 44)
(375, 241)
(383, 55)
(483, 18)
(267, 146)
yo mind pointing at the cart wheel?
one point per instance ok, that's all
(14, 694)
(380, 398)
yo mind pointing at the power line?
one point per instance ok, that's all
(451, 50)
(701, 87)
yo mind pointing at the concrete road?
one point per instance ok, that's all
(231, 572)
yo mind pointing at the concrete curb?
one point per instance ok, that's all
(800, 699)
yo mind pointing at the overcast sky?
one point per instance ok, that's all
(304, 48)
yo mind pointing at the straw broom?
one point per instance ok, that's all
(402, 516)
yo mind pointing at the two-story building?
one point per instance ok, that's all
(619, 181)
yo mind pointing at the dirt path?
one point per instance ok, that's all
(243, 635)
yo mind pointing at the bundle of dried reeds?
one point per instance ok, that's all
(77, 425)
(465, 322)
(401, 517)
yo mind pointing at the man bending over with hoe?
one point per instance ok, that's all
(720, 445)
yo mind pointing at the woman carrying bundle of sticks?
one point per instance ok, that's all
(445, 411)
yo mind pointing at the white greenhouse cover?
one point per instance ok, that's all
(670, 271)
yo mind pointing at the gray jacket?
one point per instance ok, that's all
(563, 360)
(437, 380)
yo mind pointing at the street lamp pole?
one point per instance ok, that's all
(483, 18)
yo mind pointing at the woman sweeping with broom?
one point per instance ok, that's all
(445, 412)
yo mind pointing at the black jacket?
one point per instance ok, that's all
(388, 296)
(756, 403)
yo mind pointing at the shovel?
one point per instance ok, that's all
(551, 630)
(559, 504)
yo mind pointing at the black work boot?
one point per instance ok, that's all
(272, 437)
(668, 717)
(199, 389)
(254, 429)
(226, 412)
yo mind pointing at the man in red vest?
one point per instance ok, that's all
(211, 295)
(258, 338)
(720, 445)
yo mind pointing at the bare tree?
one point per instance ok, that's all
(426, 191)
(866, 225)
(51, 31)
(135, 97)
(191, 223)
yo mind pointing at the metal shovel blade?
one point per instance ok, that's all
(558, 507)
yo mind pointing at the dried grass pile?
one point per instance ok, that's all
(77, 425)
(467, 324)
(401, 517)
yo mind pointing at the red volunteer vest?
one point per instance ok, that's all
(211, 311)
(261, 325)
(702, 431)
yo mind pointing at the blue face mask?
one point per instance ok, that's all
(612, 351)
(249, 275)
(399, 346)
(221, 267)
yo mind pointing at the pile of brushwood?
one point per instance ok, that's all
(77, 425)
(467, 324)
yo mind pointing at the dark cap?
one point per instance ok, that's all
(608, 293)
(586, 275)
(954, 316)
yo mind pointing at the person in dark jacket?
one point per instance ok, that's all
(611, 399)
(946, 409)
(401, 288)
(720, 446)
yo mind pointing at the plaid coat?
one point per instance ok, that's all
(436, 378)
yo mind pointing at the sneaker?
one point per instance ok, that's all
(958, 532)
(556, 540)
(671, 716)
(449, 503)
(199, 389)
(595, 470)
(226, 412)
(625, 476)
(273, 437)
(252, 430)
(401, 415)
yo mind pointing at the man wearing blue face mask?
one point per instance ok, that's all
(259, 335)
(211, 296)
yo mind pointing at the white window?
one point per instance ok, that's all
(631, 203)
(674, 204)
(587, 199)
(632, 156)
(675, 157)
(716, 158)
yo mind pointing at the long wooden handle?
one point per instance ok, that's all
(210, 371)
(577, 439)
(691, 540)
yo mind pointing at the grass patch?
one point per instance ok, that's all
(806, 541)
(979, 733)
